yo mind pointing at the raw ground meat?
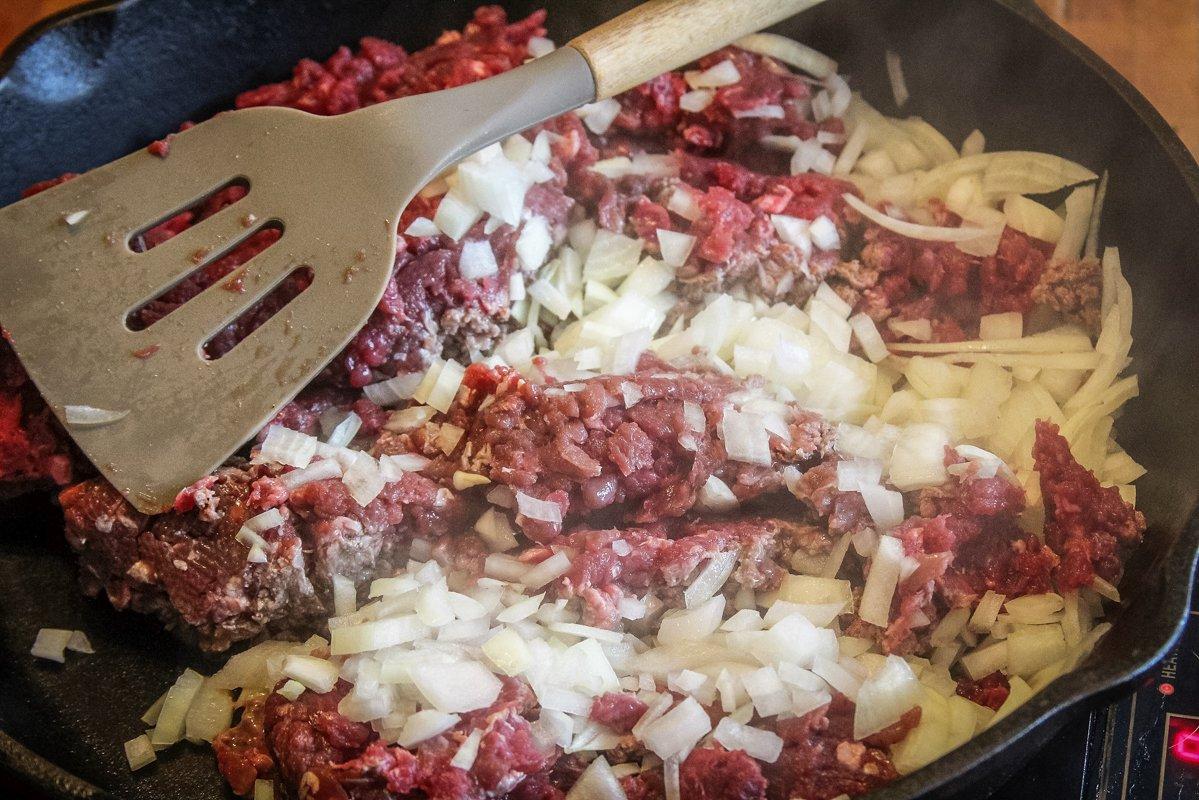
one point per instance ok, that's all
(188, 568)
(586, 451)
(1089, 525)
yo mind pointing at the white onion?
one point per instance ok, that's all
(79, 643)
(445, 388)
(723, 74)
(684, 203)
(496, 186)
(875, 606)
(267, 520)
(288, 447)
(885, 697)
(421, 227)
(790, 52)
(910, 229)
(868, 337)
(548, 570)
(210, 713)
(765, 111)
(455, 688)
(694, 624)
(678, 729)
(541, 510)
(477, 261)
(456, 214)
(173, 716)
(139, 752)
(363, 480)
(899, 85)
(597, 782)
(745, 438)
(918, 460)
(321, 470)
(600, 115)
(711, 578)
(696, 100)
(376, 635)
(794, 231)
(715, 495)
(550, 298)
(919, 329)
(986, 612)
(424, 725)
(984, 661)
(91, 417)
(51, 644)
(676, 247)
(533, 244)
(494, 529)
(884, 505)
(767, 692)
(757, 743)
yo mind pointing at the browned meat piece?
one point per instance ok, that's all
(188, 568)
(626, 442)
(1073, 289)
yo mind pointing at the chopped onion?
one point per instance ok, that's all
(838, 677)
(694, 624)
(676, 247)
(598, 782)
(495, 531)
(497, 186)
(363, 479)
(790, 52)
(424, 725)
(919, 329)
(825, 235)
(468, 751)
(696, 100)
(745, 438)
(477, 261)
(139, 752)
(548, 570)
(884, 505)
(508, 651)
(210, 713)
(678, 729)
(79, 643)
(986, 612)
(456, 688)
(910, 229)
(684, 203)
(370, 636)
(288, 447)
(445, 388)
(711, 578)
(267, 520)
(321, 470)
(986, 660)
(264, 789)
(765, 111)
(456, 214)
(723, 74)
(345, 596)
(51, 644)
(421, 227)
(392, 391)
(899, 85)
(533, 244)
(875, 606)
(540, 510)
(715, 495)
(173, 716)
(90, 417)
(884, 697)
(551, 298)
(868, 337)
(316, 674)
(599, 116)
(1009, 325)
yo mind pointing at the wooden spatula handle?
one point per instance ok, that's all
(664, 34)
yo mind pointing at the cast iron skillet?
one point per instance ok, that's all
(95, 83)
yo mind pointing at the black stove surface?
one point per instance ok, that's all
(1145, 747)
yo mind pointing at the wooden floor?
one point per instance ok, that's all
(1155, 43)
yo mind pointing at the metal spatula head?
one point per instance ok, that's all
(70, 275)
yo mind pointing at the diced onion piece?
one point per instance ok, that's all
(551, 298)
(765, 111)
(765, 746)
(91, 417)
(540, 510)
(899, 85)
(519, 610)
(1009, 325)
(1032, 218)
(790, 52)
(456, 688)
(986, 612)
(678, 729)
(468, 751)
(918, 460)
(548, 570)
(1034, 647)
(868, 337)
(533, 245)
(173, 716)
(985, 660)
(884, 697)
(598, 782)
(291, 690)
(316, 674)
(139, 752)
(345, 596)
(910, 229)
(495, 531)
(51, 644)
(477, 261)
(466, 480)
(288, 447)
(676, 247)
(696, 100)
(723, 74)
(599, 116)
(1105, 589)
(363, 479)
(377, 635)
(838, 677)
(587, 632)
(456, 214)
(711, 578)
(694, 624)
(421, 227)
(1019, 693)
(1078, 220)
(825, 235)
(745, 438)
(884, 505)
(919, 329)
(320, 471)
(793, 231)
(974, 144)
(210, 713)
(1034, 609)
(496, 186)
(508, 651)
(875, 606)
(424, 725)
(79, 643)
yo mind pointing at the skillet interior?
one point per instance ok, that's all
(104, 82)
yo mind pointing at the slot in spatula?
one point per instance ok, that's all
(335, 186)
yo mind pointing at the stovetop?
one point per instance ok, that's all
(1144, 747)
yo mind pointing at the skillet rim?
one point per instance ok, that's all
(1091, 683)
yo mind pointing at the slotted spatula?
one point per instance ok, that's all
(334, 185)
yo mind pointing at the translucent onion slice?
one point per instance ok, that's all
(790, 52)
(92, 417)
(929, 233)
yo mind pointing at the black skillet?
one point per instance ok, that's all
(95, 83)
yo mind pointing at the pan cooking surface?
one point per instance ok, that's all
(973, 63)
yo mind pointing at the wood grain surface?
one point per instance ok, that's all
(1154, 43)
